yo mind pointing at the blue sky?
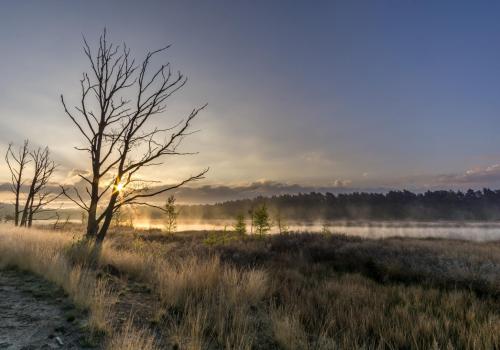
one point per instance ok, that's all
(326, 93)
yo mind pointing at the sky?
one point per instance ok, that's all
(327, 94)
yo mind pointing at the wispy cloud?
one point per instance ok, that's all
(219, 193)
(488, 176)
(484, 176)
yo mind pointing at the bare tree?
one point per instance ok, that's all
(38, 195)
(119, 99)
(17, 162)
(56, 225)
(251, 212)
(281, 223)
(118, 218)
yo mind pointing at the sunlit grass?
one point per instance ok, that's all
(289, 292)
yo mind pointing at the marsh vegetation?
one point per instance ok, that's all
(212, 290)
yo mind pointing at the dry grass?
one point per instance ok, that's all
(205, 303)
(227, 299)
(354, 312)
(287, 329)
(287, 292)
(213, 298)
(130, 338)
(298, 295)
(44, 254)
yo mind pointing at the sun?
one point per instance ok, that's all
(119, 187)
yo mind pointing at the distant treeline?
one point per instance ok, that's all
(394, 205)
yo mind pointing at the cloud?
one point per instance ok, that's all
(341, 183)
(484, 176)
(73, 176)
(219, 193)
(211, 193)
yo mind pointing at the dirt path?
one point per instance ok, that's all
(35, 315)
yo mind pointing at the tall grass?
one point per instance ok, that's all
(354, 312)
(291, 302)
(216, 299)
(280, 293)
(45, 254)
(130, 338)
(205, 303)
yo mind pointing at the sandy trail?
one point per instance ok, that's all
(35, 315)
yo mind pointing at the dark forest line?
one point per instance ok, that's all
(394, 205)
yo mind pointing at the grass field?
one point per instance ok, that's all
(216, 290)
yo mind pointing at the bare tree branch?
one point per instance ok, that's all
(119, 100)
(17, 162)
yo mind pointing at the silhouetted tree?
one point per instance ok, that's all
(84, 217)
(16, 162)
(38, 196)
(325, 230)
(8, 218)
(280, 223)
(118, 218)
(130, 220)
(251, 214)
(119, 100)
(393, 205)
(57, 225)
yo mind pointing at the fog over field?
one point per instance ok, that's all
(478, 231)
(249, 175)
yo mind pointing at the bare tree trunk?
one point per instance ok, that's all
(92, 224)
(43, 170)
(16, 210)
(31, 212)
(116, 123)
(108, 216)
(17, 163)
(58, 217)
(104, 229)
(28, 204)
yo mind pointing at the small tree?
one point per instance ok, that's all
(251, 214)
(281, 223)
(130, 220)
(325, 230)
(8, 218)
(261, 220)
(84, 217)
(240, 226)
(117, 218)
(38, 195)
(171, 215)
